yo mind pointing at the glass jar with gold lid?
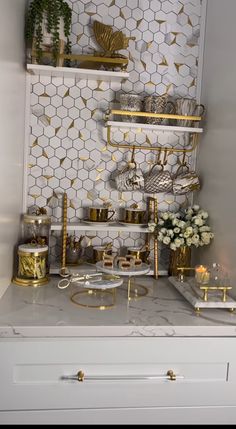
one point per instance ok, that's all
(32, 265)
(36, 228)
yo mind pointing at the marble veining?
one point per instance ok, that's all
(48, 312)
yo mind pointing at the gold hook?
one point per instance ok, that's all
(158, 158)
(132, 156)
(184, 163)
(166, 154)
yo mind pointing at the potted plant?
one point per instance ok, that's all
(48, 22)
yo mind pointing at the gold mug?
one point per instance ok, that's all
(139, 253)
(100, 214)
(134, 216)
(99, 252)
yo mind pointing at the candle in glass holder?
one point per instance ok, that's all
(202, 274)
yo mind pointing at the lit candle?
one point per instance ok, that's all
(202, 274)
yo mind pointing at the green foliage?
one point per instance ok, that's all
(53, 10)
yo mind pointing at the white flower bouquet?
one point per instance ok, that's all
(186, 229)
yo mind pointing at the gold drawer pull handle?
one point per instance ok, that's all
(80, 376)
(171, 375)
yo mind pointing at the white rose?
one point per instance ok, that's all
(196, 208)
(163, 230)
(151, 227)
(176, 230)
(198, 221)
(172, 246)
(189, 230)
(170, 233)
(166, 240)
(161, 222)
(165, 216)
(177, 242)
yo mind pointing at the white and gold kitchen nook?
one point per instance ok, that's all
(117, 273)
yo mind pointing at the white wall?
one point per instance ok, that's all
(217, 154)
(12, 102)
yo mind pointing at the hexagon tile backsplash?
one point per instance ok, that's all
(68, 149)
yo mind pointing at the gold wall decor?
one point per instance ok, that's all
(110, 40)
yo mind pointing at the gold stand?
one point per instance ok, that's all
(136, 291)
(153, 212)
(64, 234)
(97, 293)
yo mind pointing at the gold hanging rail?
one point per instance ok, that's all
(154, 115)
(191, 131)
(149, 147)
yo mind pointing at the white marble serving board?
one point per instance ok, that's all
(194, 295)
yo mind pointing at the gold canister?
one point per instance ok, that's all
(139, 253)
(136, 216)
(32, 265)
(100, 214)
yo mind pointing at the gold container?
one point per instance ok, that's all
(180, 258)
(139, 254)
(99, 252)
(32, 265)
(100, 214)
(136, 216)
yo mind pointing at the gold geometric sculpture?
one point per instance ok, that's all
(109, 40)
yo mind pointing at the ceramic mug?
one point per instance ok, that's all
(99, 252)
(139, 253)
(158, 104)
(136, 216)
(132, 103)
(188, 107)
(100, 214)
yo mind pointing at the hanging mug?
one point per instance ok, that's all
(157, 181)
(185, 182)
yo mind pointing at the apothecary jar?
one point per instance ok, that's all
(36, 229)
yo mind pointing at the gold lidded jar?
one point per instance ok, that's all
(36, 228)
(32, 265)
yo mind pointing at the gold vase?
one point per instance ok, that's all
(180, 257)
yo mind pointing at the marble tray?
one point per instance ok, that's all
(194, 295)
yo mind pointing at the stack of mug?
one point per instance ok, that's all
(160, 104)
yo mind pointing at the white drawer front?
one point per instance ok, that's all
(120, 372)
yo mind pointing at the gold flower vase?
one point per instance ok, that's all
(180, 257)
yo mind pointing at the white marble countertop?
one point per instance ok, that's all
(46, 311)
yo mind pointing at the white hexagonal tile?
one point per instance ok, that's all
(62, 112)
(56, 101)
(38, 89)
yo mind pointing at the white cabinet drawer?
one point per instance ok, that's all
(119, 372)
